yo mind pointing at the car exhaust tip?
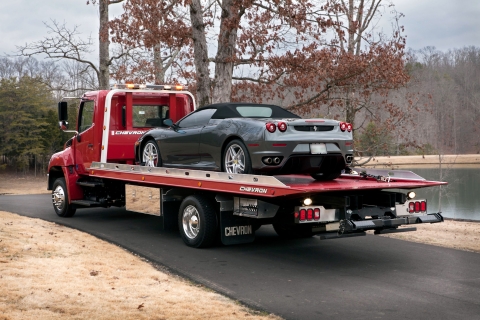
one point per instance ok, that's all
(276, 160)
(349, 159)
(267, 160)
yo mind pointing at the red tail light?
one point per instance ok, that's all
(271, 127)
(309, 214)
(303, 214)
(423, 206)
(282, 126)
(417, 206)
(316, 214)
(411, 207)
(343, 126)
(349, 127)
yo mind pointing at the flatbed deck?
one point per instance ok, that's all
(258, 185)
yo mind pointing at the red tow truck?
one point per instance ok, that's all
(97, 169)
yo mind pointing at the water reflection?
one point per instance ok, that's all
(460, 199)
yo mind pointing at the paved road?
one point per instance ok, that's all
(358, 278)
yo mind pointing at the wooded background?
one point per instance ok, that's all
(315, 58)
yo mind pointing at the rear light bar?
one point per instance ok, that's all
(417, 206)
(309, 214)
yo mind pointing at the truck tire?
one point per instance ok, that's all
(60, 200)
(151, 154)
(197, 222)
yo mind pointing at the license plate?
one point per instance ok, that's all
(318, 148)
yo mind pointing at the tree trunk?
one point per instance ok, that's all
(104, 44)
(158, 65)
(224, 61)
(201, 53)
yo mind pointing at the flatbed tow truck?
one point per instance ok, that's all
(97, 169)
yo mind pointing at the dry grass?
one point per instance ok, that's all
(450, 234)
(48, 271)
(19, 184)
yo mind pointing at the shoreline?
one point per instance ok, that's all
(426, 161)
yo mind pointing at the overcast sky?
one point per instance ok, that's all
(445, 24)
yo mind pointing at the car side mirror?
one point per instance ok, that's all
(168, 122)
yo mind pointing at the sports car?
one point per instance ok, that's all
(249, 138)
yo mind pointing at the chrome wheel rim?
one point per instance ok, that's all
(58, 198)
(150, 155)
(235, 159)
(191, 222)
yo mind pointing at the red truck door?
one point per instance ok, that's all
(85, 144)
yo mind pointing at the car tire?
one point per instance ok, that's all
(331, 169)
(60, 199)
(151, 154)
(197, 222)
(326, 176)
(236, 158)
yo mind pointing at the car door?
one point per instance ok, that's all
(181, 147)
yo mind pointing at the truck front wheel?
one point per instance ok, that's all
(197, 221)
(60, 199)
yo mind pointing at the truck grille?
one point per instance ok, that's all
(313, 128)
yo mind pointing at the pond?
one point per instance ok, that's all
(460, 199)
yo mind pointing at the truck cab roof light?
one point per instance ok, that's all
(149, 86)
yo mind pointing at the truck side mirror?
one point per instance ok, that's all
(62, 111)
(63, 115)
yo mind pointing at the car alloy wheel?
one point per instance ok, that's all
(150, 154)
(235, 159)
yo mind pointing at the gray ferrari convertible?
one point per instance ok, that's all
(249, 138)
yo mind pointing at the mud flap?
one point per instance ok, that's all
(236, 229)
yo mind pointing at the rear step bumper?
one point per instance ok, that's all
(351, 228)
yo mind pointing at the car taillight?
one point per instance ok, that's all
(316, 214)
(345, 126)
(282, 126)
(271, 127)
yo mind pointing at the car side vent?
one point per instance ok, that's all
(313, 128)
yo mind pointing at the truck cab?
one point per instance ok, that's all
(108, 124)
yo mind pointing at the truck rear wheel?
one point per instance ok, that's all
(60, 199)
(197, 221)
